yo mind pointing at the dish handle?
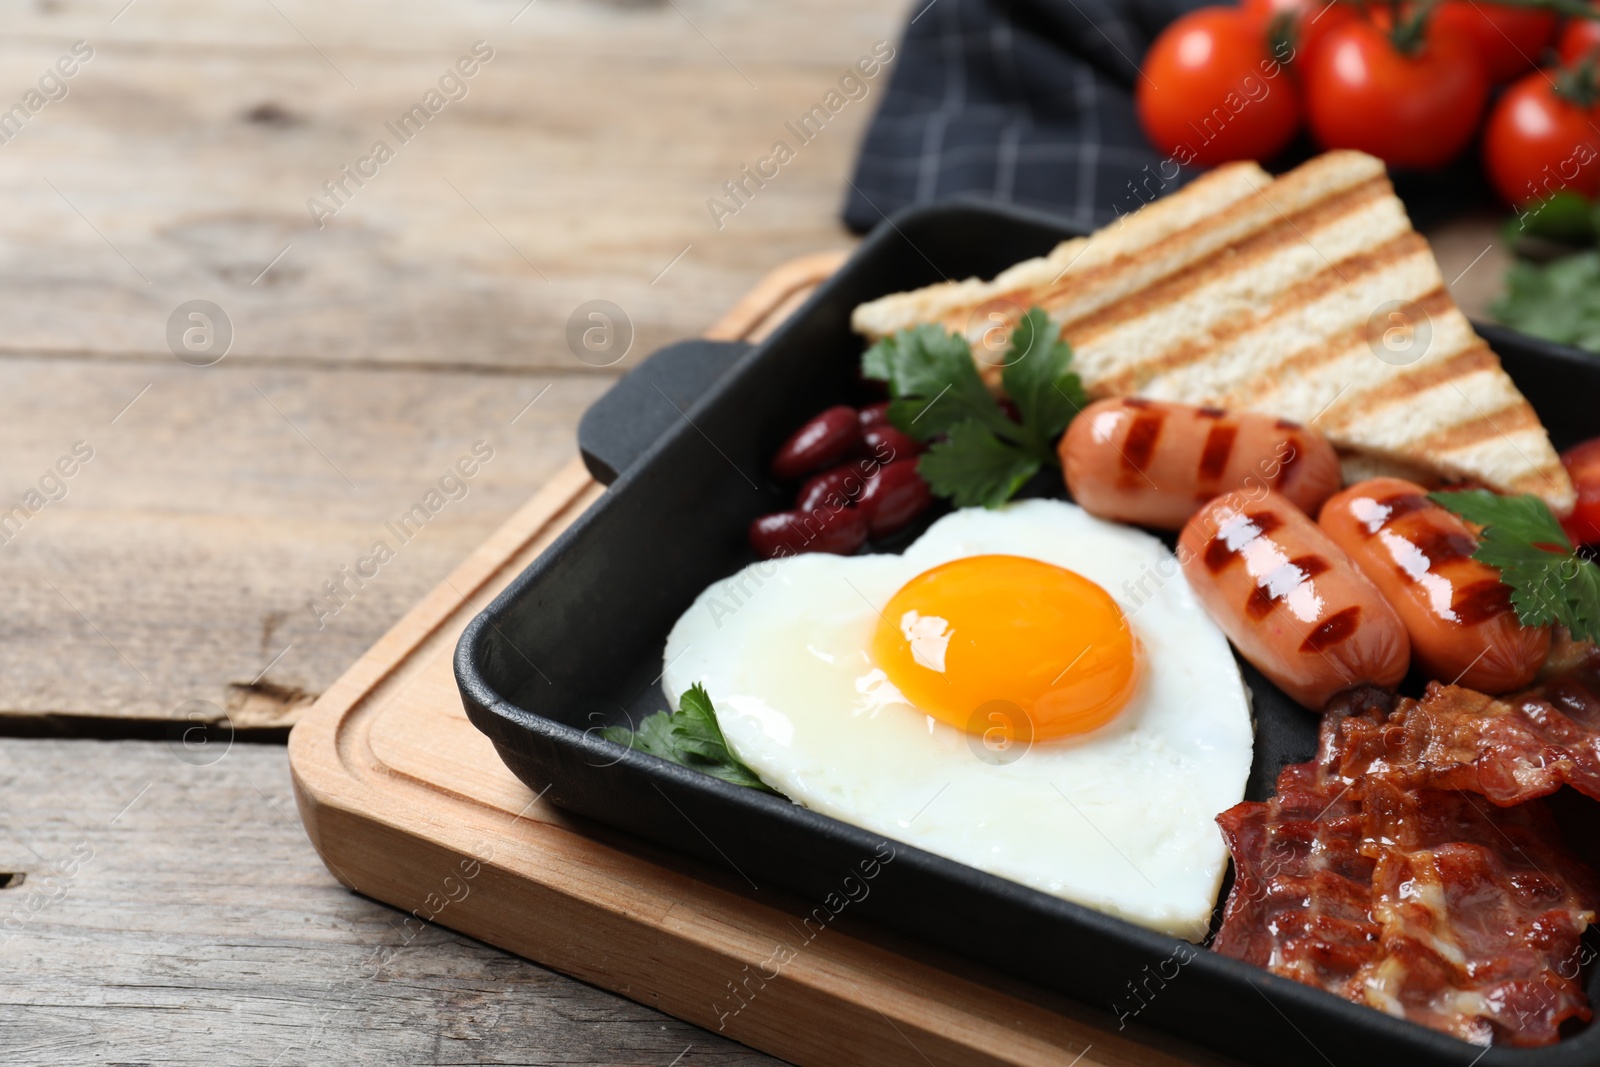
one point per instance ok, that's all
(648, 400)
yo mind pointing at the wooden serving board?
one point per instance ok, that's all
(408, 803)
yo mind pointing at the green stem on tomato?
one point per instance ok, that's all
(1283, 34)
(1579, 84)
(1411, 28)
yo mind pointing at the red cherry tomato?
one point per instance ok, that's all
(1211, 90)
(1509, 40)
(1310, 21)
(1579, 38)
(1416, 110)
(1583, 466)
(1537, 142)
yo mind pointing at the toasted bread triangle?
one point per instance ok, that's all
(1309, 297)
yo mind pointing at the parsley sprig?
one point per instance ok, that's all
(691, 737)
(982, 456)
(1559, 301)
(1522, 538)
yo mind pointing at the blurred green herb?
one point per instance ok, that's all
(1564, 216)
(1553, 287)
(1559, 301)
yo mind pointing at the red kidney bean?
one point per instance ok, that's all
(887, 444)
(822, 442)
(787, 533)
(893, 497)
(874, 415)
(836, 487)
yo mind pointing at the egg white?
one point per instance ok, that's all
(1120, 820)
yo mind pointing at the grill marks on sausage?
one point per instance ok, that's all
(1235, 534)
(1288, 463)
(1443, 546)
(1335, 630)
(1240, 532)
(1398, 505)
(1265, 522)
(1258, 605)
(1480, 602)
(1218, 555)
(1270, 588)
(1146, 423)
(1218, 450)
(1140, 444)
(1471, 604)
(1311, 565)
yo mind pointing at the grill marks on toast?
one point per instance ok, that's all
(1264, 295)
(1492, 425)
(1473, 359)
(1278, 323)
(1124, 246)
(1250, 252)
(1436, 304)
(1095, 298)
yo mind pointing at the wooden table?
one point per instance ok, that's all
(162, 903)
(428, 314)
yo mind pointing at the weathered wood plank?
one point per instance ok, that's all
(174, 913)
(271, 487)
(177, 167)
(577, 166)
(194, 547)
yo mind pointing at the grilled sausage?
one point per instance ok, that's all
(1456, 610)
(1155, 464)
(1290, 600)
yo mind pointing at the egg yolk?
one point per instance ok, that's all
(976, 641)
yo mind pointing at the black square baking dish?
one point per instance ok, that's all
(575, 644)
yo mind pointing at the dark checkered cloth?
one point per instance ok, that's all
(1023, 101)
(1031, 102)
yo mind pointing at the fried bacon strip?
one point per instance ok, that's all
(1431, 905)
(1511, 750)
(1302, 891)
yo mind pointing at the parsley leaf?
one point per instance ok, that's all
(1039, 380)
(1559, 301)
(1521, 538)
(984, 456)
(933, 382)
(689, 737)
(974, 468)
(1526, 518)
